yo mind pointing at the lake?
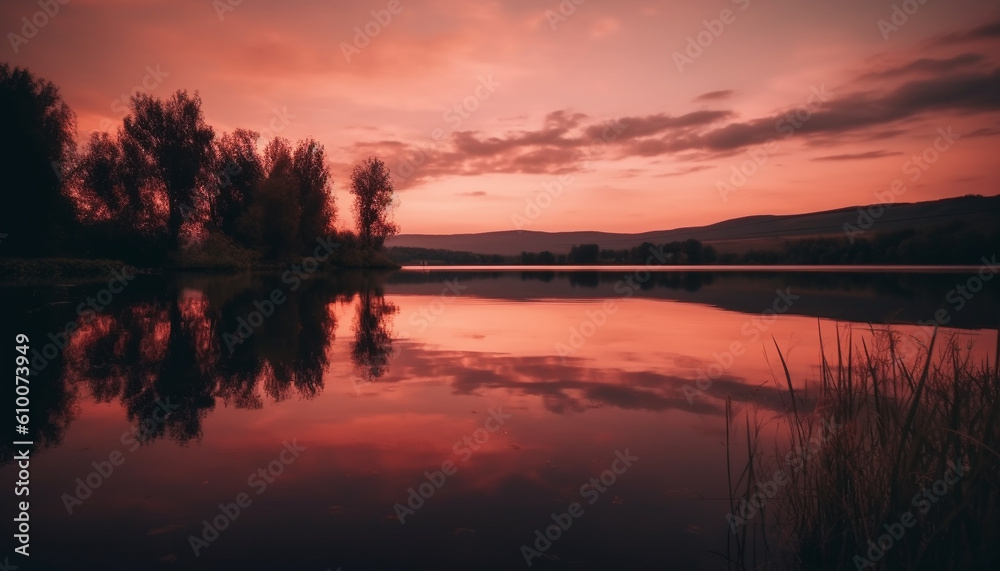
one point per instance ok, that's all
(479, 418)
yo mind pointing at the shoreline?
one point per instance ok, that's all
(34, 270)
(916, 268)
(16, 271)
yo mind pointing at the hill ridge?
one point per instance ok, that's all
(734, 234)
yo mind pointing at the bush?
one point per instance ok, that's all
(216, 252)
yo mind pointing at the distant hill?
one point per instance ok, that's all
(736, 235)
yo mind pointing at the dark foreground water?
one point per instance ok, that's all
(422, 420)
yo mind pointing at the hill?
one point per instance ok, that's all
(730, 236)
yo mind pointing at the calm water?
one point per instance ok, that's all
(501, 393)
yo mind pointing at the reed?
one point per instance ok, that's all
(868, 449)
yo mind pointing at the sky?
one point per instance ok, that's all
(623, 116)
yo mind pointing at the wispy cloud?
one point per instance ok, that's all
(858, 156)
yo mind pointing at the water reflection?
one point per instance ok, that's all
(233, 402)
(168, 339)
(372, 345)
(172, 341)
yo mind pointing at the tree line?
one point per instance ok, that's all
(166, 184)
(948, 244)
(687, 252)
(953, 243)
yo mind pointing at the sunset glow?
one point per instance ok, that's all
(497, 99)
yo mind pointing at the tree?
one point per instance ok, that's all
(99, 175)
(546, 258)
(117, 200)
(278, 158)
(584, 254)
(313, 177)
(372, 189)
(238, 170)
(271, 222)
(36, 143)
(176, 148)
(693, 250)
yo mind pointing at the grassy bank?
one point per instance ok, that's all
(18, 270)
(894, 465)
(35, 270)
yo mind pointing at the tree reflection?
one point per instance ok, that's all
(372, 346)
(52, 400)
(168, 352)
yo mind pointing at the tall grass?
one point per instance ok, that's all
(900, 424)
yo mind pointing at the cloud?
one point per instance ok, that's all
(989, 31)
(983, 132)
(927, 66)
(882, 102)
(858, 156)
(715, 95)
(569, 142)
(576, 385)
(686, 170)
(565, 143)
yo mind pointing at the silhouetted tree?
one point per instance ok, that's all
(100, 174)
(237, 171)
(271, 223)
(278, 158)
(546, 258)
(176, 148)
(116, 198)
(315, 196)
(36, 143)
(584, 254)
(693, 251)
(372, 189)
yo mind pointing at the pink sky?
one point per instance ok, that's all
(544, 87)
